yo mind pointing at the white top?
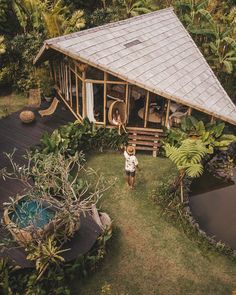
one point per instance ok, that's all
(131, 162)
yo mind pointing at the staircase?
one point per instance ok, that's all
(145, 140)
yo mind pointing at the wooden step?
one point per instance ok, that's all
(145, 133)
(139, 129)
(142, 137)
(144, 143)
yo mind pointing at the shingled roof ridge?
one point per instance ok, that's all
(109, 25)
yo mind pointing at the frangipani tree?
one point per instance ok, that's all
(187, 158)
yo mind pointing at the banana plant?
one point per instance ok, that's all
(137, 7)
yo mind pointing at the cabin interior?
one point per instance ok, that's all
(91, 92)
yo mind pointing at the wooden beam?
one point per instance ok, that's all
(76, 73)
(78, 117)
(146, 109)
(105, 100)
(102, 81)
(167, 113)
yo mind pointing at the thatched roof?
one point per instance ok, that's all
(155, 52)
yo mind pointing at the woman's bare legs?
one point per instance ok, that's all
(132, 181)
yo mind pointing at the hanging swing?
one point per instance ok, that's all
(121, 106)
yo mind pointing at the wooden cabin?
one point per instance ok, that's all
(148, 64)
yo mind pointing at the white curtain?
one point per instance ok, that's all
(90, 102)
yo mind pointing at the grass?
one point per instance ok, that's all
(148, 255)
(10, 103)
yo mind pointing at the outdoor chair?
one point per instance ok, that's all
(49, 111)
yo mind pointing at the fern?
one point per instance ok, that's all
(188, 156)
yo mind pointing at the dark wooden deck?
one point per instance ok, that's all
(19, 136)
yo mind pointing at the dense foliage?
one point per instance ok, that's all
(84, 136)
(211, 23)
(194, 145)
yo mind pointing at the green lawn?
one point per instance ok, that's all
(11, 103)
(147, 254)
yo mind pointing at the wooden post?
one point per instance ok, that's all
(59, 76)
(126, 100)
(189, 111)
(66, 86)
(167, 113)
(54, 72)
(146, 109)
(212, 119)
(105, 99)
(77, 91)
(84, 95)
(51, 70)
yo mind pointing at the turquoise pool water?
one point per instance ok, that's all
(29, 212)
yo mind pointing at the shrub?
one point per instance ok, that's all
(84, 136)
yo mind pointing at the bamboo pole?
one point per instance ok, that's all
(59, 76)
(77, 92)
(102, 81)
(105, 100)
(54, 72)
(126, 100)
(66, 82)
(77, 116)
(70, 85)
(212, 120)
(84, 95)
(167, 113)
(146, 109)
(76, 73)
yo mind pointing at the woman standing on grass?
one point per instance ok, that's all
(131, 163)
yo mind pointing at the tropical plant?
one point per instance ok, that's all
(187, 158)
(44, 254)
(137, 7)
(51, 18)
(210, 134)
(81, 136)
(2, 45)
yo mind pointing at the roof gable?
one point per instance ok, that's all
(155, 52)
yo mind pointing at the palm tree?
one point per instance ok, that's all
(188, 160)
